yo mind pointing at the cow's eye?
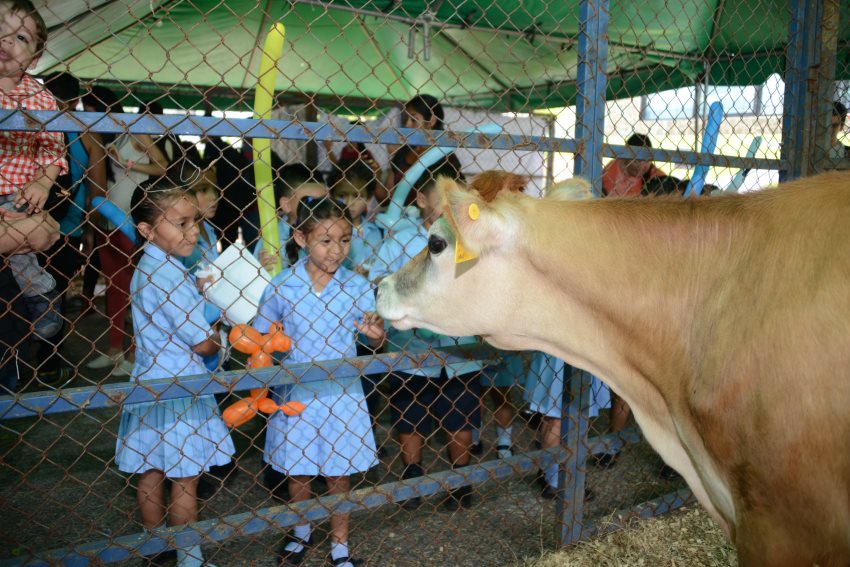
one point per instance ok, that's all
(436, 244)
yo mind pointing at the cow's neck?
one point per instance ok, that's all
(626, 307)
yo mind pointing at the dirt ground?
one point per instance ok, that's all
(59, 487)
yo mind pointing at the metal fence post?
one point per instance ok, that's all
(592, 82)
(569, 507)
(802, 30)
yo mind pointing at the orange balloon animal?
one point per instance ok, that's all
(248, 340)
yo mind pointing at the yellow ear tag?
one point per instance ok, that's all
(462, 254)
(473, 211)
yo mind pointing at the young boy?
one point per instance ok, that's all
(293, 183)
(30, 162)
(449, 397)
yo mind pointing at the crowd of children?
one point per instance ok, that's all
(333, 254)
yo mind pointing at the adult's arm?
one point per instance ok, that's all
(96, 172)
(22, 234)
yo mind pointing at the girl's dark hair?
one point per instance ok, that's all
(449, 166)
(151, 199)
(428, 106)
(354, 170)
(311, 210)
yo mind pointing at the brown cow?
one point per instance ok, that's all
(724, 322)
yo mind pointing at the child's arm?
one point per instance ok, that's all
(208, 347)
(158, 166)
(372, 328)
(19, 235)
(96, 171)
(34, 195)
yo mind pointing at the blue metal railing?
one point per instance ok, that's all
(119, 123)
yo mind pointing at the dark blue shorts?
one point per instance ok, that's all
(419, 404)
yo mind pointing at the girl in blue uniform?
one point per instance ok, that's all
(323, 306)
(544, 388)
(178, 438)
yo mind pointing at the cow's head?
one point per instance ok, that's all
(481, 296)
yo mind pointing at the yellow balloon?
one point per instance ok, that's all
(263, 103)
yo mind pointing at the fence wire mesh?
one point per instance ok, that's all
(127, 294)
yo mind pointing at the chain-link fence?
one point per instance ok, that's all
(136, 418)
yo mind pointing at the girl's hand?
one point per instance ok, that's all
(372, 327)
(202, 283)
(266, 260)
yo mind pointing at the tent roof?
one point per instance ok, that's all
(500, 55)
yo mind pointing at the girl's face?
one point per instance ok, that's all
(207, 203)
(176, 230)
(327, 244)
(431, 205)
(412, 118)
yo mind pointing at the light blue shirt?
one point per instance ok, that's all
(168, 316)
(406, 240)
(321, 325)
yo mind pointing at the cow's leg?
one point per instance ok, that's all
(670, 448)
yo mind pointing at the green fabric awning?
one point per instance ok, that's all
(501, 55)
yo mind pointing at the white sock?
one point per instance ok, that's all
(190, 557)
(476, 436)
(339, 550)
(552, 475)
(302, 532)
(505, 434)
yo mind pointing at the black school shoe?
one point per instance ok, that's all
(293, 558)
(412, 471)
(550, 493)
(605, 460)
(459, 499)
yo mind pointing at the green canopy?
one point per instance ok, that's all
(501, 55)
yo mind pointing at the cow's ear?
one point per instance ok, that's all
(477, 225)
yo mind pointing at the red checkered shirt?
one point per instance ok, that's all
(24, 155)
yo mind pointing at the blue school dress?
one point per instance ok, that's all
(544, 387)
(181, 436)
(333, 435)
